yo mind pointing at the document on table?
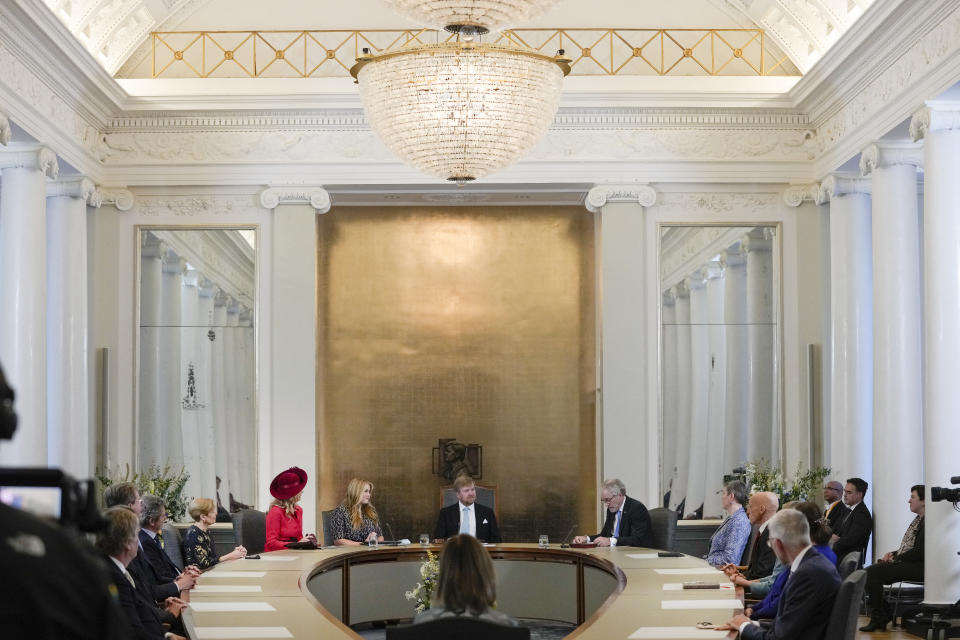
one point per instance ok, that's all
(696, 571)
(229, 633)
(682, 633)
(643, 556)
(234, 574)
(678, 586)
(266, 558)
(220, 607)
(725, 603)
(226, 588)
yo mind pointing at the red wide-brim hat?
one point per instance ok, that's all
(288, 483)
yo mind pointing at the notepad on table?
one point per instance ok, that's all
(680, 633)
(220, 607)
(725, 603)
(225, 633)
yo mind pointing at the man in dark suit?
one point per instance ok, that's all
(854, 529)
(761, 508)
(906, 563)
(119, 543)
(628, 521)
(833, 503)
(152, 517)
(807, 599)
(466, 516)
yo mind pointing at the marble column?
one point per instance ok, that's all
(668, 440)
(851, 328)
(714, 468)
(684, 409)
(938, 124)
(756, 247)
(23, 295)
(736, 396)
(70, 445)
(897, 343)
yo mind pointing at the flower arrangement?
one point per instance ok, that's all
(762, 476)
(422, 592)
(165, 483)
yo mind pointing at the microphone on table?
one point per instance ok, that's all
(389, 530)
(564, 544)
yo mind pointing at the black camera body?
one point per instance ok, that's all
(938, 494)
(52, 494)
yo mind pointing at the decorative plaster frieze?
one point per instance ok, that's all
(455, 198)
(5, 131)
(122, 199)
(74, 187)
(836, 186)
(317, 197)
(935, 116)
(884, 153)
(193, 206)
(797, 194)
(732, 206)
(30, 156)
(600, 195)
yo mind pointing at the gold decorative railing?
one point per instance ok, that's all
(321, 53)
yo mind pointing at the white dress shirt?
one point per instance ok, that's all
(473, 517)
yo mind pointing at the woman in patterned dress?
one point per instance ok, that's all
(198, 548)
(355, 521)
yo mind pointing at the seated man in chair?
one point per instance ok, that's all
(628, 521)
(906, 563)
(466, 516)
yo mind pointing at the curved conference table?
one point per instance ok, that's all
(609, 593)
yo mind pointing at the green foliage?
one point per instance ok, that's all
(423, 591)
(165, 483)
(762, 476)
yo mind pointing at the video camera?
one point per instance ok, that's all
(52, 494)
(938, 494)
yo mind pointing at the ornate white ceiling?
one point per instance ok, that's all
(117, 32)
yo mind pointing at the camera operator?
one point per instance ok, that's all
(54, 586)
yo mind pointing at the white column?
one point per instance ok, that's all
(939, 126)
(897, 343)
(149, 426)
(247, 402)
(736, 395)
(851, 328)
(699, 390)
(760, 423)
(167, 444)
(190, 362)
(233, 364)
(714, 470)
(70, 441)
(23, 295)
(684, 410)
(218, 398)
(668, 461)
(205, 429)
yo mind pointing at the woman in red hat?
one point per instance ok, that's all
(285, 517)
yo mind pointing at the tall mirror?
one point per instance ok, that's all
(720, 385)
(196, 378)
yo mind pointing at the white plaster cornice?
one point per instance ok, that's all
(74, 187)
(5, 131)
(600, 195)
(316, 196)
(839, 185)
(885, 153)
(30, 156)
(797, 194)
(936, 115)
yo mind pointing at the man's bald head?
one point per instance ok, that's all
(832, 491)
(762, 506)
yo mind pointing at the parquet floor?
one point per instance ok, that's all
(894, 634)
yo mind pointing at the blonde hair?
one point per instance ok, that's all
(289, 505)
(467, 582)
(200, 507)
(352, 504)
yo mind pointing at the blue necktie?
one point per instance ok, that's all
(616, 527)
(465, 521)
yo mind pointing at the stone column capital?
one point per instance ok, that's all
(152, 247)
(731, 258)
(5, 131)
(935, 115)
(797, 194)
(887, 153)
(30, 156)
(837, 185)
(756, 241)
(696, 280)
(598, 196)
(316, 196)
(680, 290)
(122, 199)
(73, 187)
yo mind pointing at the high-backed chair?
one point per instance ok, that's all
(173, 544)
(848, 564)
(327, 518)
(846, 608)
(457, 629)
(664, 524)
(486, 495)
(250, 528)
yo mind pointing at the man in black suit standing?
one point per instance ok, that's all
(466, 516)
(628, 521)
(854, 529)
(807, 599)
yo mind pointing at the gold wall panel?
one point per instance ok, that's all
(469, 323)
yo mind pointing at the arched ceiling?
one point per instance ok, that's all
(117, 32)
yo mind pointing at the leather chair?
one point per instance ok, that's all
(173, 544)
(846, 608)
(250, 528)
(664, 524)
(848, 564)
(327, 518)
(903, 597)
(457, 629)
(486, 495)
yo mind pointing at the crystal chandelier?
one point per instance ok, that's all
(478, 16)
(460, 110)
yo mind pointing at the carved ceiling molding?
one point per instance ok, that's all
(244, 208)
(716, 206)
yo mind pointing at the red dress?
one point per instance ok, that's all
(282, 529)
